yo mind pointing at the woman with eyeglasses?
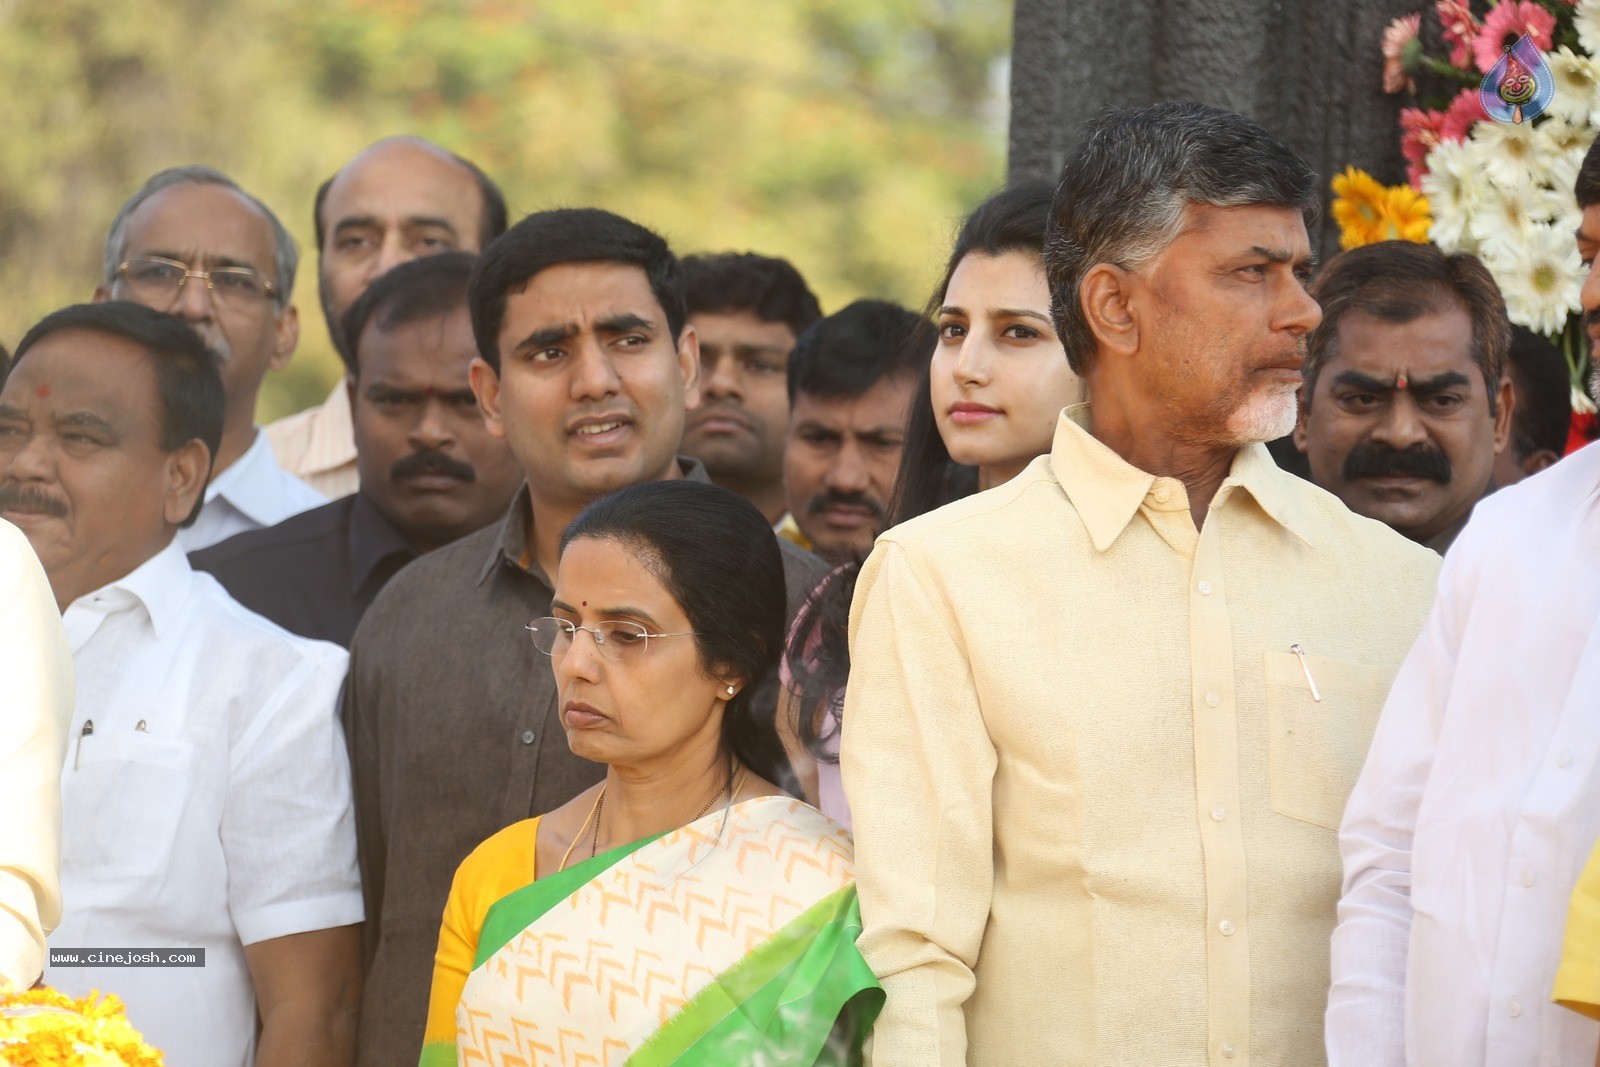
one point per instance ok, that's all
(685, 910)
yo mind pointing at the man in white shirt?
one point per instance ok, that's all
(1480, 798)
(192, 243)
(205, 792)
(37, 673)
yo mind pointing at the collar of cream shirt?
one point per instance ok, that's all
(261, 490)
(160, 584)
(1107, 491)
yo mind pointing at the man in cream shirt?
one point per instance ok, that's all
(33, 726)
(1102, 720)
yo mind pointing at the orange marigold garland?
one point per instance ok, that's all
(45, 1028)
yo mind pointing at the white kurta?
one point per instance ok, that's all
(1480, 800)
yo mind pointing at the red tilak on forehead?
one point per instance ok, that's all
(1400, 382)
(43, 391)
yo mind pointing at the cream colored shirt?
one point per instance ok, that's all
(35, 706)
(318, 445)
(1095, 799)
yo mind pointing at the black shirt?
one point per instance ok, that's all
(316, 573)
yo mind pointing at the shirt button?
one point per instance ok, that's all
(1219, 813)
(1212, 700)
(1226, 926)
(1527, 876)
(1228, 1049)
(1515, 1009)
(1565, 759)
(528, 737)
(1161, 494)
(1205, 588)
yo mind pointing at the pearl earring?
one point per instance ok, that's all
(730, 690)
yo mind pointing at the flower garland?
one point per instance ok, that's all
(44, 1028)
(1503, 191)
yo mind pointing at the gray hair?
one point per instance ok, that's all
(1124, 191)
(286, 254)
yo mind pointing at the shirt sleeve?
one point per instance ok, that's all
(1578, 979)
(918, 767)
(288, 828)
(37, 672)
(1366, 998)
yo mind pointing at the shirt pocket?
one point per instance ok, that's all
(124, 797)
(1316, 747)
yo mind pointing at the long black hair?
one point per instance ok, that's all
(1011, 220)
(718, 559)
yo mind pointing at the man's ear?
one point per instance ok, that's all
(1106, 296)
(689, 365)
(102, 293)
(1538, 461)
(486, 387)
(286, 339)
(1507, 403)
(188, 470)
(1302, 437)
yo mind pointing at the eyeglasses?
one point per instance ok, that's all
(156, 278)
(614, 639)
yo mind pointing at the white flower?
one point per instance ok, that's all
(1577, 87)
(1500, 223)
(1539, 278)
(1562, 147)
(1454, 184)
(1510, 153)
(1586, 20)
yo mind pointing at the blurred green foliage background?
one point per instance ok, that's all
(847, 135)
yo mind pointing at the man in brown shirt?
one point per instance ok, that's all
(587, 370)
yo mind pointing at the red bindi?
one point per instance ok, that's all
(43, 391)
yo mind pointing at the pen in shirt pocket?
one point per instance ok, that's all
(77, 750)
(1311, 682)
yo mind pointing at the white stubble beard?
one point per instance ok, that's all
(1267, 415)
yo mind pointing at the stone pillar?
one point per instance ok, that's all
(1309, 70)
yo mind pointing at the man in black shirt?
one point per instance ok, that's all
(430, 470)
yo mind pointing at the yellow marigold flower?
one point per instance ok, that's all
(1358, 207)
(1368, 211)
(44, 1028)
(1407, 215)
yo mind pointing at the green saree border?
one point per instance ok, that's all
(782, 1000)
(516, 911)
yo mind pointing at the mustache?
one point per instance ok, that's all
(1371, 460)
(829, 497)
(26, 499)
(432, 461)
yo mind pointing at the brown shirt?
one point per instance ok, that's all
(450, 714)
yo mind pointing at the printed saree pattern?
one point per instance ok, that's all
(729, 941)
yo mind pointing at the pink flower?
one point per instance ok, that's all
(1459, 30)
(1401, 32)
(1507, 21)
(1419, 134)
(1464, 111)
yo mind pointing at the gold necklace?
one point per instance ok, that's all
(593, 812)
(734, 782)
